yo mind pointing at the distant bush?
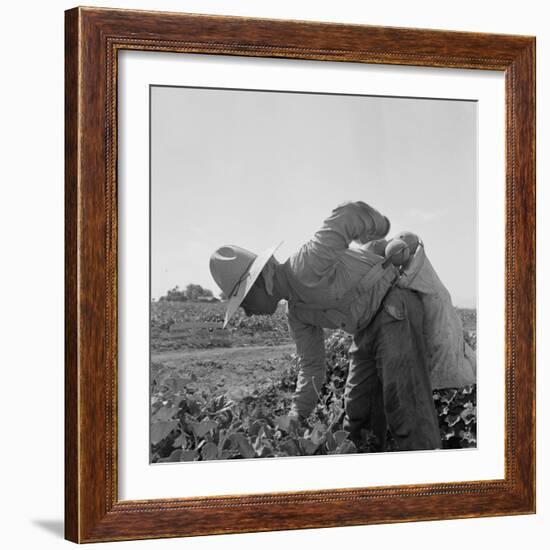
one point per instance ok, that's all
(191, 292)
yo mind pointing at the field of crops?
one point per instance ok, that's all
(226, 394)
(196, 325)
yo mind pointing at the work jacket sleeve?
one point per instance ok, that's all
(351, 221)
(310, 349)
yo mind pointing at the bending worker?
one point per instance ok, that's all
(407, 337)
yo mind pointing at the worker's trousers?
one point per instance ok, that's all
(388, 384)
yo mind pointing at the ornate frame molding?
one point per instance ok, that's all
(93, 38)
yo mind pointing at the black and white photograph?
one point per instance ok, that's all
(313, 274)
(273, 275)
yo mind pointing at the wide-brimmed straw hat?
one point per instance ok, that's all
(235, 270)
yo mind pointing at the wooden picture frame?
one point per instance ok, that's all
(93, 511)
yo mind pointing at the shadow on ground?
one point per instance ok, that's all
(54, 526)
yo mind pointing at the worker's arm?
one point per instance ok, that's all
(351, 221)
(310, 349)
(318, 259)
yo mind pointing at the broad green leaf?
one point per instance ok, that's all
(448, 397)
(347, 447)
(468, 437)
(159, 430)
(262, 444)
(451, 420)
(209, 451)
(331, 442)
(290, 448)
(340, 436)
(190, 405)
(243, 443)
(175, 456)
(282, 422)
(159, 378)
(308, 446)
(166, 413)
(468, 414)
(318, 433)
(189, 456)
(202, 428)
(256, 426)
(228, 453)
(180, 441)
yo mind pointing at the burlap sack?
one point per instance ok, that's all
(452, 360)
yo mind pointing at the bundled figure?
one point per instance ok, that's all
(407, 336)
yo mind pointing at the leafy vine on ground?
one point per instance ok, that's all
(190, 424)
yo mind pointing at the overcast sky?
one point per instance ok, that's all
(254, 168)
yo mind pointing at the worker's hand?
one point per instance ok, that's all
(397, 252)
(412, 240)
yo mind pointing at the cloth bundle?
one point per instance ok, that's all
(452, 360)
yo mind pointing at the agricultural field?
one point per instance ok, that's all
(225, 394)
(198, 325)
